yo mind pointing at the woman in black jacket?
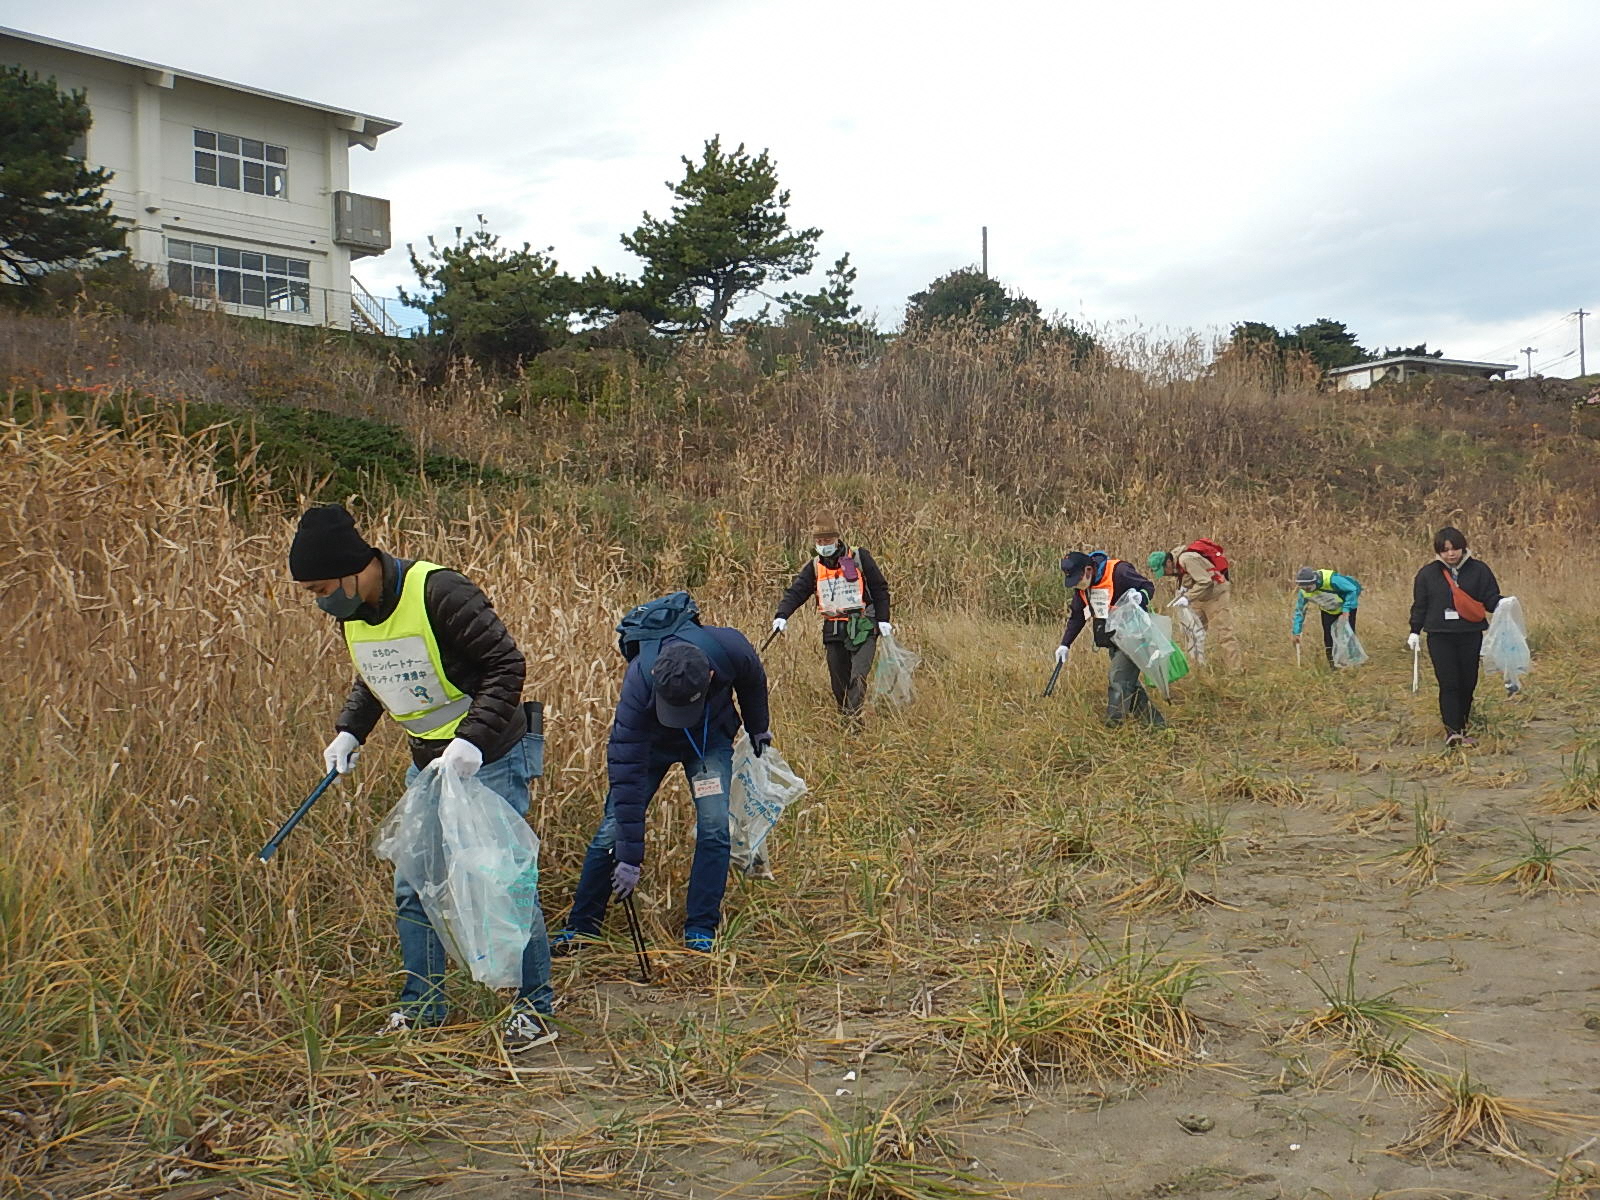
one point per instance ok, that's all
(1455, 636)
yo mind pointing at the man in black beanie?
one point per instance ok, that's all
(430, 650)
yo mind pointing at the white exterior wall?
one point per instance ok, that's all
(1355, 380)
(143, 131)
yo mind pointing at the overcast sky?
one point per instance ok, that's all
(1421, 170)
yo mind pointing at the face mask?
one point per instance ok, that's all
(828, 551)
(340, 603)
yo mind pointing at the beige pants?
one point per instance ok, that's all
(1221, 642)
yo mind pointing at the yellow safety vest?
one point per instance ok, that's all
(398, 659)
(1323, 595)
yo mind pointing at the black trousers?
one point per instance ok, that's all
(1328, 619)
(1455, 665)
(847, 672)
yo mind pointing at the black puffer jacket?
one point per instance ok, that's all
(479, 657)
(1430, 597)
(804, 588)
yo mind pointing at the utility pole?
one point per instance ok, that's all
(1530, 351)
(1583, 367)
(986, 252)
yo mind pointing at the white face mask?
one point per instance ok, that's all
(828, 551)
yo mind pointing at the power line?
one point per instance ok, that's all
(1507, 347)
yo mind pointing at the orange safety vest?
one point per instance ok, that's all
(837, 597)
(1097, 597)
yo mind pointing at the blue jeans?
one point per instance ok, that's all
(1125, 694)
(420, 949)
(708, 875)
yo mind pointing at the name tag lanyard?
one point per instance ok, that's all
(705, 784)
(704, 743)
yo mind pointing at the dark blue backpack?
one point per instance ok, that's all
(641, 632)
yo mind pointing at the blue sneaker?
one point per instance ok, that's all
(698, 940)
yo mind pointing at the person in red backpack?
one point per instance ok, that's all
(1451, 600)
(1201, 569)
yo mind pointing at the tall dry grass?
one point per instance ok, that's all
(164, 1001)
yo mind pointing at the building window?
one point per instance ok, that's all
(240, 163)
(266, 281)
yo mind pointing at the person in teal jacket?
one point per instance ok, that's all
(1332, 594)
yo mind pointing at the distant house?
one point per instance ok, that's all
(236, 195)
(1402, 367)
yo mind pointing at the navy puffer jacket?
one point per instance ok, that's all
(639, 740)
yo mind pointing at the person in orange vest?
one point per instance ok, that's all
(1097, 581)
(853, 597)
(1203, 588)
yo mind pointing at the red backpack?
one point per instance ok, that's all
(1212, 553)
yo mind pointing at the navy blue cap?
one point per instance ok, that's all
(1073, 564)
(682, 677)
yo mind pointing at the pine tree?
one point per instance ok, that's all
(53, 210)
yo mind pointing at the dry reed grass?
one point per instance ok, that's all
(166, 1006)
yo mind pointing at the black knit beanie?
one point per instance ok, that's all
(327, 546)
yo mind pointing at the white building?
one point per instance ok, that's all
(234, 194)
(1401, 367)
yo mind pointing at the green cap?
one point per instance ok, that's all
(1158, 561)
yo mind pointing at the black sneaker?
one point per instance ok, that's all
(524, 1029)
(568, 941)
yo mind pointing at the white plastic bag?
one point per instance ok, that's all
(1139, 637)
(891, 671)
(1347, 651)
(1505, 645)
(1193, 632)
(762, 788)
(475, 866)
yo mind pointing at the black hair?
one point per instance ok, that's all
(1449, 534)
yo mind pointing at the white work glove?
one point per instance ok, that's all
(779, 624)
(885, 628)
(1414, 642)
(1181, 602)
(461, 758)
(340, 754)
(1061, 654)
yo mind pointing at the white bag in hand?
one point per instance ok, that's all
(762, 788)
(1347, 651)
(1505, 645)
(1137, 635)
(891, 671)
(474, 864)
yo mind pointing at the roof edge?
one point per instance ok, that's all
(1423, 358)
(373, 126)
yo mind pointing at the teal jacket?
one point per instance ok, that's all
(1340, 595)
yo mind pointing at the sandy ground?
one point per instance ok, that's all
(1267, 1110)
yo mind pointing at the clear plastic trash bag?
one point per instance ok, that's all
(762, 788)
(1505, 645)
(475, 866)
(891, 671)
(1137, 635)
(1347, 651)
(1177, 663)
(1191, 633)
